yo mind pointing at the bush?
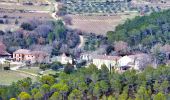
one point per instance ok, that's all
(2, 32)
(44, 66)
(27, 26)
(1, 21)
(56, 65)
(68, 68)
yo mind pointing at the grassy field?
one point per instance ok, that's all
(23, 1)
(8, 26)
(36, 70)
(25, 7)
(7, 77)
(22, 13)
(98, 24)
(33, 70)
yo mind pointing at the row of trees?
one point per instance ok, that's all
(94, 84)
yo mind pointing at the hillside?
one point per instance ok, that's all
(146, 30)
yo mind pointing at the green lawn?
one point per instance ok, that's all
(7, 77)
(36, 70)
(47, 72)
(33, 70)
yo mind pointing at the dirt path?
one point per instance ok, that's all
(56, 10)
(81, 42)
(16, 70)
(59, 18)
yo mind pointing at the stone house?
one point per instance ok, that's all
(23, 55)
(137, 62)
(109, 61)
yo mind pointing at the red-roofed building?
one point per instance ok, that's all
(32, 56)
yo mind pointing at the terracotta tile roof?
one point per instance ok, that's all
(105, 57)
(22, 51)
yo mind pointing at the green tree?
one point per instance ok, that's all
(13, 99)
(38, 96)
(164, 86)
(97, 90)
(24, 96)
(104, 86)
(55, 96)
(156, 86)
(142, 94)
(116, 85)
(47, 79)
(24, 84)
(159, 96)
(92, 68)
(111, 98)
(82, 86)
(123, 96)
(104, 68)
(45, 88)
(51, 37)
(75, 95)
(34, 91)
(104, 97)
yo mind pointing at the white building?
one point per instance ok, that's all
(86, 56)
(63, 59)
(137, 62)
(109, 61)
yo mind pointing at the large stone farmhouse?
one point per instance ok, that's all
(136, 61)
(22, 55)
(109, 61)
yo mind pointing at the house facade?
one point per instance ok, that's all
(137, 62)
(63, 59)
(22, 55)
(86, 56)
(109, 61)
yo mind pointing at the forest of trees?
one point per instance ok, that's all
(50, 36)
(144, 32)
(93, 84)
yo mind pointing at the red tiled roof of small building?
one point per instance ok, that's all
(22, 51)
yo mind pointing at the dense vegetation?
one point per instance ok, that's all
(49, 36)
(91, 83)
(145, 31)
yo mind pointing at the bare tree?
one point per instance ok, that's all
(165, 48)
(121, 47)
